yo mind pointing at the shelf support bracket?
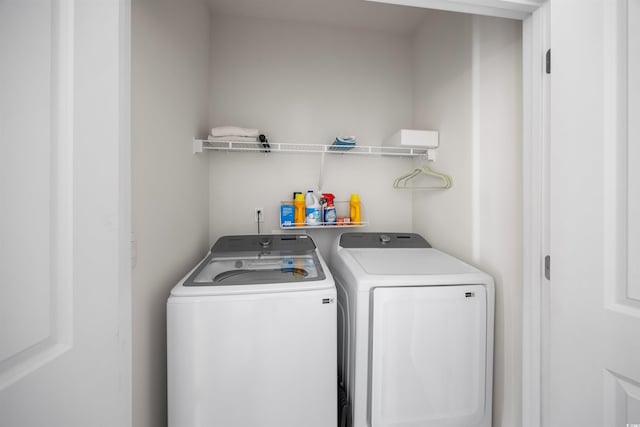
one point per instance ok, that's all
(197, 146)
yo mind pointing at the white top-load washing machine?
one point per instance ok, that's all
(415, 333)
(251, 337)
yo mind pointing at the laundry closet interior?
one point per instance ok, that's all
(304, 72)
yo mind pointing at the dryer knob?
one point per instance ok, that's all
(384, 239)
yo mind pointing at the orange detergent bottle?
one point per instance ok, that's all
(354, 209)
(299, 210)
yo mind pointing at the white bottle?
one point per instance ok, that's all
(313, 211)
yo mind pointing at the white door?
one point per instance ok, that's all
(64, 214)
(594, 360)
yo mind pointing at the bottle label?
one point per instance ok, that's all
(330, 215)
(313, 215)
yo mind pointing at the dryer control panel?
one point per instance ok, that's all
(383, 240)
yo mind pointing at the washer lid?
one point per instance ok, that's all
(259, 259)
(256, 270)
(263, 244)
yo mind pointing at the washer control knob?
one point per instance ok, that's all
(384, 239)
(265, 243)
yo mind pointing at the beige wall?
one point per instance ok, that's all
(170, 76)
(442, 101)
(469, 87)
(304, 83)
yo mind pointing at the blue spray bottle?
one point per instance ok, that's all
(329, 210)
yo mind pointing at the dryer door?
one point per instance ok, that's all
(428, 363)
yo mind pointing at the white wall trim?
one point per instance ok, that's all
(535, 220)
(514, 9)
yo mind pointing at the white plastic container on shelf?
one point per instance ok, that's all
(413, 138)
(313, 212)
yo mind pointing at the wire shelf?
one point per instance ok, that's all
(200, 145)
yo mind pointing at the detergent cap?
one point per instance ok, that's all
(355, 197)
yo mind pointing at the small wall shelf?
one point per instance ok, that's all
(324, 226)
(341, 209)
(200, 145)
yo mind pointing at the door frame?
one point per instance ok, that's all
(536, 191)
(535, 18)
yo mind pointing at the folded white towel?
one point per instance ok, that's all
(232, 138)
(233, 131)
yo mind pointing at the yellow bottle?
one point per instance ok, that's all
(354, 209)
(299, 210)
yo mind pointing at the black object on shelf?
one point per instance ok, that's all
(265, 143)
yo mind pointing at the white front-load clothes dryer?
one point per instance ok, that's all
(415, 333)
(251, 337)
